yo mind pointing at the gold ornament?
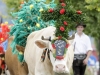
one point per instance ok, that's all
(9, 26)
(21, 20)
(38, 25)
(2, 58)
(6, 22)
(28, 27)
(38, 18)
(20, 53)
(31, 6)
(48, 7)
(41, 10)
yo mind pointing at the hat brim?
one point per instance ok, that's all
(81, 25)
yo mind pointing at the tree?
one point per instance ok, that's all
(94, 7)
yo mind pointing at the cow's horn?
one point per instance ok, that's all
(72, 37)
(48, 39)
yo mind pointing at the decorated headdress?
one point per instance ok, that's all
(66, 17)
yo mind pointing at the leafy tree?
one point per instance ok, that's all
(93, 7)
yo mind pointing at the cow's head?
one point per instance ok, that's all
(57, 57)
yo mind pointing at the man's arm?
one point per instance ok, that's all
(89, 51)
(88, 54)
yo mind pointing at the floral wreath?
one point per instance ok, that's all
(54, 48)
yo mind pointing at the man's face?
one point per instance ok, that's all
(80, 29)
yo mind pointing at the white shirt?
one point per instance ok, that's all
(81, 44)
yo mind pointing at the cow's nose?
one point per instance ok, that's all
(60, 68)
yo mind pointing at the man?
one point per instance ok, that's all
(82, 50)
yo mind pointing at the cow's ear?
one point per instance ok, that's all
(40, 44)
(20, 48)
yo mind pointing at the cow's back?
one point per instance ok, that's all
(12, 62)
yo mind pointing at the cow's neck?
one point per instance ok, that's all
(48, 64)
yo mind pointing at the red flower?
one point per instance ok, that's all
(50, 10)
(63, 4)
(67, 45)
(59, 37)
(65, 23)
(53, 46)
(62, 11)
(59, 57)
(62, 28)
(79, 12)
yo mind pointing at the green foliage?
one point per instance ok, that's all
(93, 19)
(93, 4)
(70, 16)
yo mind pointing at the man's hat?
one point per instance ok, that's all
(80, 24)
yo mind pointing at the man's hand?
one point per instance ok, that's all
(85, 61)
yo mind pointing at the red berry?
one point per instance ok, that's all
(62, 11)
(53, 46)
(67, 45)
(65, 23)
(79, 12)
(62, 28)
(50, 10)
(63, 4)
(59, 37)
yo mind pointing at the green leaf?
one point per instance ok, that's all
(98, 9)
(90, 7)
(91, 1)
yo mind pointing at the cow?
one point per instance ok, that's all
(50, 66)
(14, 66)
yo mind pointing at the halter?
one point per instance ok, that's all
(46, 50)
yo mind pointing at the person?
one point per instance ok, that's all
(82, 50)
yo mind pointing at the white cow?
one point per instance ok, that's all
(34, 49)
